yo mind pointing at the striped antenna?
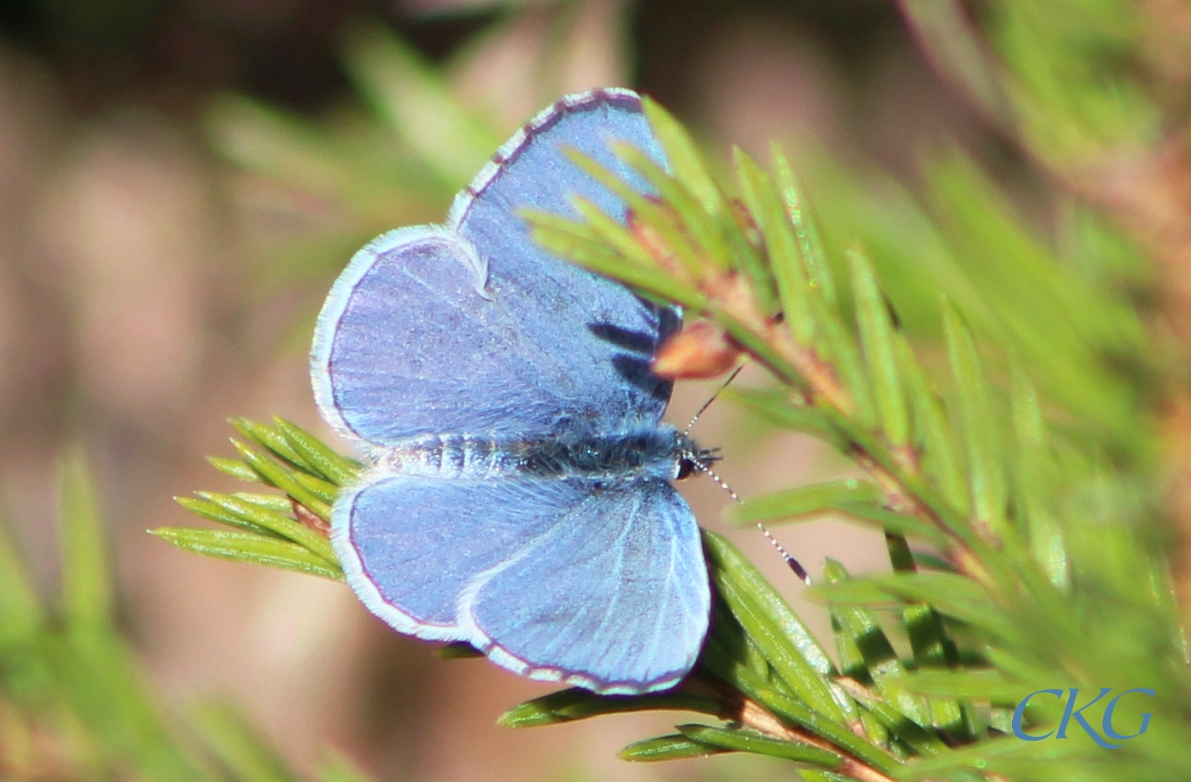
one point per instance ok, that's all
(791, 563)
(711, 399)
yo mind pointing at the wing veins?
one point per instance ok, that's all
(620, 550)
(531, 353)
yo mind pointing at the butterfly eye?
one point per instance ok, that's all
(685, 468)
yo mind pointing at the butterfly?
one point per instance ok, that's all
(519, 493)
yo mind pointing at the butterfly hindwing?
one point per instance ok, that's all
(410, 546)
(557, 579)
(614, 598)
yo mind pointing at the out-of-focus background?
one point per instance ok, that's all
(180, 182)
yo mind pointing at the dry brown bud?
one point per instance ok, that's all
(700, 350)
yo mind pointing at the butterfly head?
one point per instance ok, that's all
(692, 458)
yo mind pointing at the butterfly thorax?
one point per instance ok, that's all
(647, 451)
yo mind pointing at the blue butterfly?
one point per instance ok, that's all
(519, 497)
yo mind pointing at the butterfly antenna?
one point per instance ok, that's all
(791, 563)
(711, 399)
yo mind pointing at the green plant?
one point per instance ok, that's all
(74, 696)
(1015, 403)
(1004, 613)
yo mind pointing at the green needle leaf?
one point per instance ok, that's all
(876, 336)
(337, 469)
(979, 424)
(1035, 482)
(920, 739)
(271, 440)
(86, 582)
(776, 407)
(838, 346)
(683, 156)
(781, 246)
(950, 594)
(324, 490)
(573, 240)
(743, 740)
(579, 704)
(673, 747)
(214, 512)
(275, 522)
(798, 211)
(274, 502)
(987, 685)
(237, 468)
(247, 547)
(940, 458)
(804, 500)
(881, 661)
(786, 643)
(616, 235)
(705, 242)
(278, 476)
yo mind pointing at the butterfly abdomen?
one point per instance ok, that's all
(452, 456)
(646, 452)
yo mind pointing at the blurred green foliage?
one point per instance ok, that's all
(999, 381)
(1055, 571)
(75, 702)
(997, 387)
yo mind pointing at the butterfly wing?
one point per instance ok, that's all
(471, 327)
(614, 599)
(598, 585)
